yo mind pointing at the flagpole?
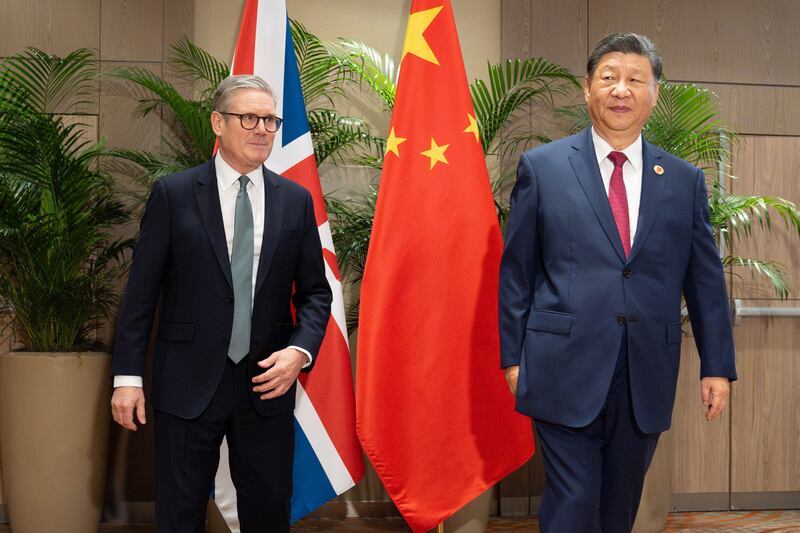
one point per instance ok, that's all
(440, 528)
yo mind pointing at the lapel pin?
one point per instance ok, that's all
(658, 169)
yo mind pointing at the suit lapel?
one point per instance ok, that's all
(584, 164)
(207, 195)
(273, 217)
(652, 190)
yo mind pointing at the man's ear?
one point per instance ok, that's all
(587, 83)
(216, 122)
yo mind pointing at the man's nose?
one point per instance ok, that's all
(621, 89)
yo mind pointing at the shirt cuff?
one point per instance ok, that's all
(308, 354)
(127, 381)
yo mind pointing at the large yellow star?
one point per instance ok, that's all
(415, 42)
(436, 153)
(393, 142)
(473, 127)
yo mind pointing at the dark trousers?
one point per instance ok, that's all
(260, 454)
(594, 474)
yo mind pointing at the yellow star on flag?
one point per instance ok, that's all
(393, 142)
(436, 153)
(473, 127)
(415, 42)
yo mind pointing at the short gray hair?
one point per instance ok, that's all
(234, 83)
(626, 43)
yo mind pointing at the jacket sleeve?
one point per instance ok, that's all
(706, 295)
(312, 295)
(519, 265)
(144, 286)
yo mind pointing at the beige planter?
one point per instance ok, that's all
(54, 422)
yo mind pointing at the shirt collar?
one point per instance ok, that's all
(633, 152)
(227, 176)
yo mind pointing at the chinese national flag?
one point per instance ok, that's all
(434, 413)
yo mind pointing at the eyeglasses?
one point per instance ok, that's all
(249, 121)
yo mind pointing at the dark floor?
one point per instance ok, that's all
(732, 522)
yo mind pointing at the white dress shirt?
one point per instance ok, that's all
(631, 174)
(228, 186)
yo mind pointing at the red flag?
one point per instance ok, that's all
(434, 414)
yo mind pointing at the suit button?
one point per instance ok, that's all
(225, 342)
(627, 273)
(621, 319)
(228, 300)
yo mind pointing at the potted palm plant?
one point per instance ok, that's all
(60, 263)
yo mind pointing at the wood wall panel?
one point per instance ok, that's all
(759, 109)
(736, 41)
(564, 42)
(768, 165)
(56, 26)
(133, 30)
(701, 448)
(515, 34)
(178, 22)
(119, 124)
(765, 425)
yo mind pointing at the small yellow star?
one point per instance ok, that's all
(436, 153)
(415, 42)
(393, 142)
(473, 127)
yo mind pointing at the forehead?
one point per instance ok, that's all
(252, 101)
(620, 61)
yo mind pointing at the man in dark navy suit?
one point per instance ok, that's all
(606, 232)
(228, 247)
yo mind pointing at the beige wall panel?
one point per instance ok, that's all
(558, 32)
(768, 166)
(178, 22)
(87, 124)
(759, 109)
(738, 41)
(702, 449)
(766, 428)
(380, 24)
(119, 124)
(133, 30)
(515, 28)
(55, 26)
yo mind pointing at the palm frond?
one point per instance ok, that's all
(774, 272)
(198, 66)
(319, 70)
(735, 215)
(48, 83)
(512, 84)
(365, 66)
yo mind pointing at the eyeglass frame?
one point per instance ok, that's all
(278, 121)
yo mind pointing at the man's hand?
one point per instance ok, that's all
(512, 375)
(714, 392)
(282, 367)
(123, 403)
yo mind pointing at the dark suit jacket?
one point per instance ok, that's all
(181, 256)
(567, 293)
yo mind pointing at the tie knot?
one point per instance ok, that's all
(244, 180)
(618, 158)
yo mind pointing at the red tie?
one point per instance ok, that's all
(618, 199)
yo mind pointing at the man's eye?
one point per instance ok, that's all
(250, 117)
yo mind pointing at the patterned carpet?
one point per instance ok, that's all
(723, 522)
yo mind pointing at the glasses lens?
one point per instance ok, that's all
(249, 121)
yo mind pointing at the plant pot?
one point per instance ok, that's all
(54, 423)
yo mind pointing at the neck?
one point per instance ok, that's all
(241, 169)
(617, 141)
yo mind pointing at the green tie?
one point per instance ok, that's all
(242, 273)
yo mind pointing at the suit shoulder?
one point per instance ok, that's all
(558, 148)
(185, 177)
